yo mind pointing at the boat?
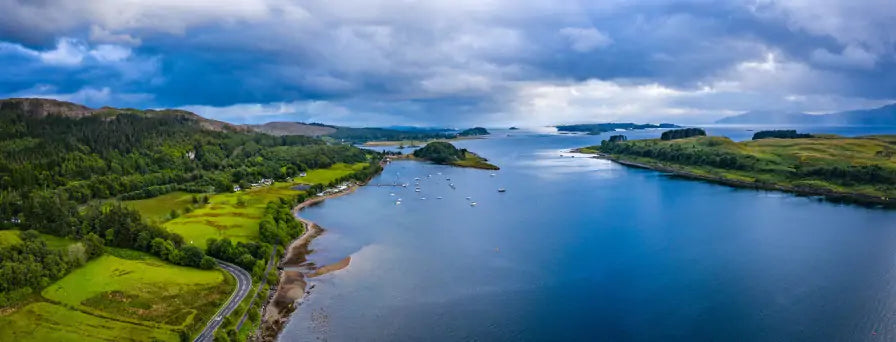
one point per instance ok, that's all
(468, 198)
(397, 202)
(502, 190)
(440, 197)
(417, 190)
(472, 204)
(492, 175)
(422, 198)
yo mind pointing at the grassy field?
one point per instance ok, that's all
(780, 162)
(475, 161)
(9, 237)
(44, 321)
(157, 209)
(225, 217)
(123, 295)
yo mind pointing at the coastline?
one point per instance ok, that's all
(830, 195)
(291, 287)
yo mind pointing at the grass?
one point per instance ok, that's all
(158, 209)
(475, 161)
(145, 290)
(776, 161)
(225, 217)
(123, 295)
(11, 237)
(44, 321)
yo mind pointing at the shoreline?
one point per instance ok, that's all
(830, 195)
(291, 287)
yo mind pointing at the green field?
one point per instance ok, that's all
(475, 161)
(10, 237)
(860, 166)
(136, 298)
(158, 209)
(224, 217)
(44, 321)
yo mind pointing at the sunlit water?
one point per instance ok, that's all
(584, 249)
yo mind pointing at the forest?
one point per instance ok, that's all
(780, 134)
(63, 176)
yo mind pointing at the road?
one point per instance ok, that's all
(243, 286)
(264, 281)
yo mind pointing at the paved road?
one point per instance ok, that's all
(264, 281)
(243, 285)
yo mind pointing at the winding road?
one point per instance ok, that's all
(243, 286)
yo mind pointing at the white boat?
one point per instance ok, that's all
(468, 198)
(493, 175)
(472, 204)
(397, 203)
(440, 197)
(422, 198)
(502, 190)
(416, 190)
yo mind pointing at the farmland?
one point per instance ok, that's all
(236, 215)
(123, 295)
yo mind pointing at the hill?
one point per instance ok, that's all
(441, 152)
(881, 116)
(473, 132)
(40, 108)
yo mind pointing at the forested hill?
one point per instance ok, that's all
(39, 108)
(47, 149)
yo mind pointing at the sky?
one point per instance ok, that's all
(453, 63)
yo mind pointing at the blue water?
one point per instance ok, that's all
(580, 249)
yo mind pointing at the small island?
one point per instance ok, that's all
(595, 129)
(859, 169)
(444, 153)
(473, 132)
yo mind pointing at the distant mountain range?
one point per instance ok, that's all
(882, 116)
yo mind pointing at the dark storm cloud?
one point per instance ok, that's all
(370, 62)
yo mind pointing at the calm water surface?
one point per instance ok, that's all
(580, 249)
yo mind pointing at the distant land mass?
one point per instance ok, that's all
(882, 116)
(39, 108)
(599, 128)
(473, 132)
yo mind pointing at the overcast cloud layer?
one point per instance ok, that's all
(455, 63)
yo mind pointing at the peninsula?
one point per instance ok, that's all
(860, 169)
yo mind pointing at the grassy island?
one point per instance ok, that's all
(860, 169)
(445, 153)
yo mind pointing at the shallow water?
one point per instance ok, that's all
(585, 249)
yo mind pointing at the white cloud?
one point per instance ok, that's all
(68, 52)
(585, 39)
(110, 53)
